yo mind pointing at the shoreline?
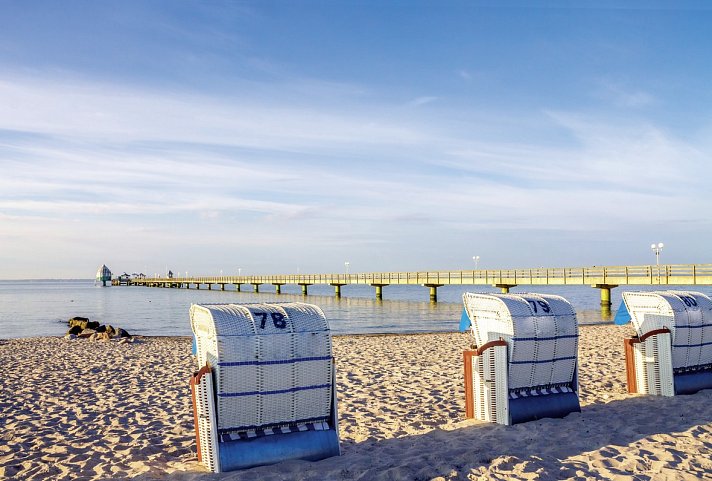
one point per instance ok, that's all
(83, 410)
(360, 334)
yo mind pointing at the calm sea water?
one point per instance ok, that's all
(42, 307)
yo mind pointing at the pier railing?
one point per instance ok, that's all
(675, 274)
(603, 278)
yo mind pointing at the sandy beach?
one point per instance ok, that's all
(83, 410)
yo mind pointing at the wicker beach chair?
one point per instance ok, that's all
(672, 352)
(266, 389)
(524, 362)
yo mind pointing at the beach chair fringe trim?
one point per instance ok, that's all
(255, 433)
(541, 390)
(702, 367)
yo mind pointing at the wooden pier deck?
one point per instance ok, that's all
(604, 278)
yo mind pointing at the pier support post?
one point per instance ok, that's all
(210, 286)
(505, 287)
(304, 288)
(337, 289)
(222, 286)
(197, 285)
(433, 291)
(605, 295)
(256, 286)
(238, 287)
(379, 290)
(277, 287)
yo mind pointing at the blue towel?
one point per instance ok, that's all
(465, 321)
(622, 316)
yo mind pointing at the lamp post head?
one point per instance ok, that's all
(660, 245)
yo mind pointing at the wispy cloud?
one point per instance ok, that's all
(241, 174)
(623, 96)
(116, 113)
(422, 101)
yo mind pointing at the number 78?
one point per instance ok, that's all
(277, 319)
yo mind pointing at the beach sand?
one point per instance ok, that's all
(83, 410)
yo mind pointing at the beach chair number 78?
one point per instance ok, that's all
(277, 319)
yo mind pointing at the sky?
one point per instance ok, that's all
(282, 137)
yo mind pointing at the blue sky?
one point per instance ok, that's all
(276, 136)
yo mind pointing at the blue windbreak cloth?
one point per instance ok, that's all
(465, 322)
(622, 316)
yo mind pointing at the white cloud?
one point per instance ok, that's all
(230, 175)
(623, 96)
(416, 102)
(115, 113)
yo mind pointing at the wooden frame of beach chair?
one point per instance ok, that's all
(648, 363)
(203, 394)
(267, 389)
(486, 383)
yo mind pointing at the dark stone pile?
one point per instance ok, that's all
(81, 327)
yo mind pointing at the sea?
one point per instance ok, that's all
(30, 308)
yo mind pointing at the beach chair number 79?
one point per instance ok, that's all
(544, 306)
(277, 319)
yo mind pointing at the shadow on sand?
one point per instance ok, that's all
(543, 449)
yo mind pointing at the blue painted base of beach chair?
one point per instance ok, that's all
(691, 382)
(307, 445)
(530, 408)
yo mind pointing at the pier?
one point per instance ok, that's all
(603, 278)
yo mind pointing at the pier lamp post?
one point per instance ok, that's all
(239, 271)
(477, 261)
(346, 265)
(657, 248)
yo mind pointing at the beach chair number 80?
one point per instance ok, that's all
(277, 319)
(689, 301)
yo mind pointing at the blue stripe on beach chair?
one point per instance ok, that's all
(568, 336)
(569, 358)
(279, 391)
(267, 363)
(692, 345)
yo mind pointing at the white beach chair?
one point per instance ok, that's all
(524, 365)
(672, 352)
(266, 391)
